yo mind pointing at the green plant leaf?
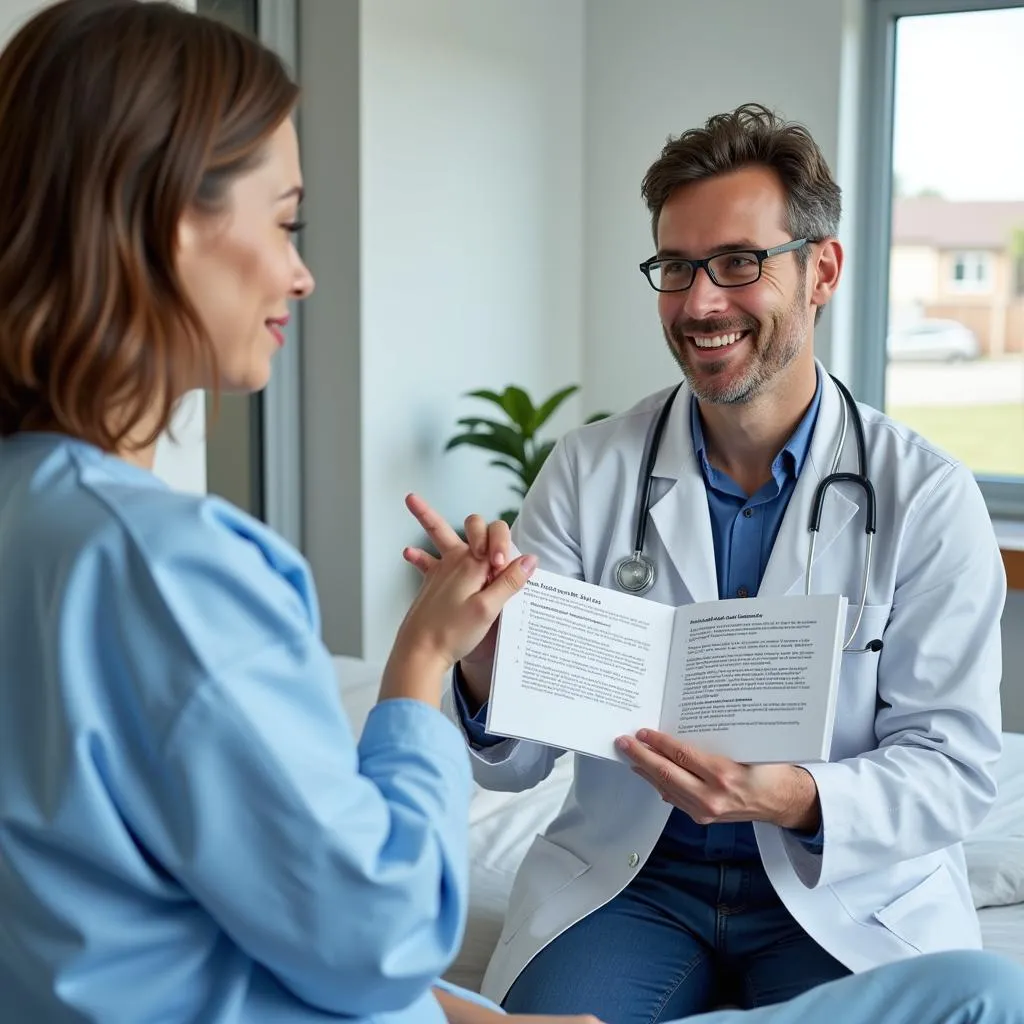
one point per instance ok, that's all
(511, 466)
(594, 417)
(519, 471)
(520, 410)
(509, 515)
(475, 422)
(501, 439)
(472, 421)
(536, 460)
(548, 407)
(488, 396)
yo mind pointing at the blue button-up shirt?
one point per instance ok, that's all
(743, 530)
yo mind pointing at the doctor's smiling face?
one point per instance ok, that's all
(733, 343)
(744, 182)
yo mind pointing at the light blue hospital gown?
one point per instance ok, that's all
(188, 830)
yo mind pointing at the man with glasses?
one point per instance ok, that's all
(692, 880)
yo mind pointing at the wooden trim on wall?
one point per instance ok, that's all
(1013, 559)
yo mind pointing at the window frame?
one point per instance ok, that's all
(1003, 495)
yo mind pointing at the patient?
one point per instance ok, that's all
(188, 829)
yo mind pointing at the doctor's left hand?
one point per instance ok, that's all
(713, 789)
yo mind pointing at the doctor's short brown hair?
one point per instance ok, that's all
(116, 117)
(752, 135)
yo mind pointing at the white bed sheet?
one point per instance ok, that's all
(1002, 930)
(502, 826)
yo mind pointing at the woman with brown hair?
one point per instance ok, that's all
(188, 829)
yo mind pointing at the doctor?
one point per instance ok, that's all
(691, 879)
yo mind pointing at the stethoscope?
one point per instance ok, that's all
(636, 573)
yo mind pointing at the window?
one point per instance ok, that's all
(948, 296)
(239, 14)
(972, 271)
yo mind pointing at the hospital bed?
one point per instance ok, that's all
(503, 826)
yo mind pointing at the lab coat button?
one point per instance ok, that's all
(634, 859)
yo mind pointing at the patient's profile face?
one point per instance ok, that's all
(240, 267)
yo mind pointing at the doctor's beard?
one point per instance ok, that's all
(776, 343)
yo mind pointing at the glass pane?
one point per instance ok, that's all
(955, 343)
(239, 14)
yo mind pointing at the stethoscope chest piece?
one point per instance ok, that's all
(635, 574)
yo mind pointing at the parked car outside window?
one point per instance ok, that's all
(933, 340)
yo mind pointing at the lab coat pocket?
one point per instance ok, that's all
(871, 626)
(918, 917)
(857, 701)
(546, 870)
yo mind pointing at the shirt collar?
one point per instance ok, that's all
(789, 461)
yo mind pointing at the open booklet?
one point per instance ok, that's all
(755, 679)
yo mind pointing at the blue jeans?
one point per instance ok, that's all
(968, 987)
(682, 938)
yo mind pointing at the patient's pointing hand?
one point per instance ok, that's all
(491, 543)
(458, 603)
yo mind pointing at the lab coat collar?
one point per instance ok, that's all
(683, 522)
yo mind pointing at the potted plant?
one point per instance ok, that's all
(513, 438)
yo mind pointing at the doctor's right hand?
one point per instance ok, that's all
(455, 611)
(489, 542)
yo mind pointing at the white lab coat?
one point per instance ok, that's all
(917, 726)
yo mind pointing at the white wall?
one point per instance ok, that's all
(471, 224)
(181, 455)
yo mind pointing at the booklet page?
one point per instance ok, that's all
(578, 665)
(755, 679)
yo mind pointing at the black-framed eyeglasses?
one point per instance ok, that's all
(731, 269)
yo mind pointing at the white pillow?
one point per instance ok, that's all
(995, 853)
(502, 827)
(359, 683)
